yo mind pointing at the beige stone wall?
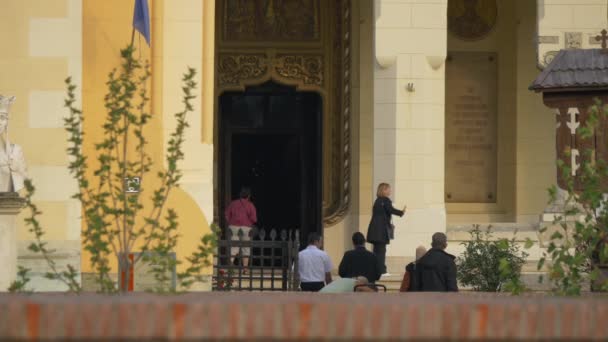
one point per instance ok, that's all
(363, 110)
(409, 126)
(176, 44)
(526, 137)
(338, 237)
(398, 136)
(569, 23)
(182, 31)
(561, 24)
(186, 26)
(410, 47)
(535, 129)
(501, 40)
(42, 46)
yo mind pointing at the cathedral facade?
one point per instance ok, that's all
(312, 104)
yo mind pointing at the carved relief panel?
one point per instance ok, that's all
(301, 43)
(304, 68)
(270, 20)
(555, 33)
(232, 69)
(471, 19)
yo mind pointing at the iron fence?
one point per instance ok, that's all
(273, 261)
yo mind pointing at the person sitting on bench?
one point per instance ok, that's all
(344, 285)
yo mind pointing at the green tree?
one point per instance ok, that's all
(115, 224)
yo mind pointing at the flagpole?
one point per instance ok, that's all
(132, 36)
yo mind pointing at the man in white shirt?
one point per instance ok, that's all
(314, 265)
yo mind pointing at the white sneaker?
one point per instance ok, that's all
(386, 274)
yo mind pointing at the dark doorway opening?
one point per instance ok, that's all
(270, 140)
(260, 161)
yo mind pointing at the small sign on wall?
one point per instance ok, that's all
(132, 185)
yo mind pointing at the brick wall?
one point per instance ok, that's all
(299, 316)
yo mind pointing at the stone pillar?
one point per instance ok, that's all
(188, 41)
(208, 76)
(10, 206)
(409, 84)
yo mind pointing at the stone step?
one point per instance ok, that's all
(530, 266)
(256, 284)
(393, 282)
(530, 280)
(460, 231)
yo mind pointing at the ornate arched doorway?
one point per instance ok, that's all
(271, 141)
(295, 54)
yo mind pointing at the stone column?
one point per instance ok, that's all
(409, 84)
(10, 206)
(188, 41)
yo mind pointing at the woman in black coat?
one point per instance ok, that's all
(380, 230)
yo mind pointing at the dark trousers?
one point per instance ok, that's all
(380, 251)
(312, 286)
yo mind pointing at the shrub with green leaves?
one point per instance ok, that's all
(489, 264)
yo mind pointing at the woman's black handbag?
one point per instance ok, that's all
(391, 227)
(391, 231)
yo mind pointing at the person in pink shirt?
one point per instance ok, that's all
(241, 215)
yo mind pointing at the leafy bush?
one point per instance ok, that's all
(490, 265)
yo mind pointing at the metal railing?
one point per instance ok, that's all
(273, 261)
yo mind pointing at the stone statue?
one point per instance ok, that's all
(13, 169)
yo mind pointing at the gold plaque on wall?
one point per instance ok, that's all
(471, 19)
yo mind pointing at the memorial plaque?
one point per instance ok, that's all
(470, 127)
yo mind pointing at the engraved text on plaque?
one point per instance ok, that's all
(470, 127)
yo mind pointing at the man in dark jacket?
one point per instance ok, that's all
(360, 262)
(436, 270)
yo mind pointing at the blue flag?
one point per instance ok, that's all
(141, 19)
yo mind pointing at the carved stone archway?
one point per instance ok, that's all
(302, 43)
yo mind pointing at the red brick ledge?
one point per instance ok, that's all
(300, 316)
